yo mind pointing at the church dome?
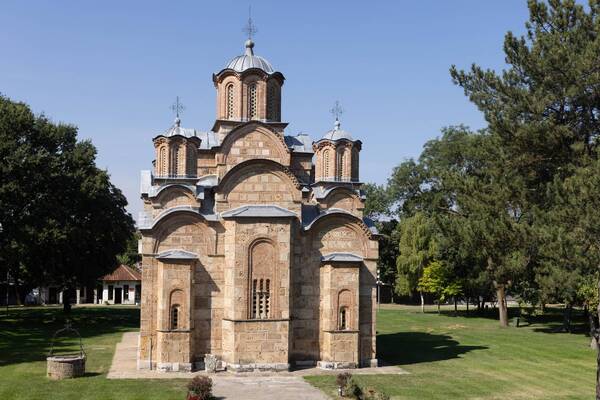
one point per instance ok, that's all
(338, 134)
(249, 60)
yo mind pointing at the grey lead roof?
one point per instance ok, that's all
(176, 129)
(341, 257)
(301, 143)
(337, 134)
(249, 60)
(263, 210)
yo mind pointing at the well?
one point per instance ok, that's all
(65, 366)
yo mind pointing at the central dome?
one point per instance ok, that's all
(249, 60)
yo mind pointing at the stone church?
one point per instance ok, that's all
(254, 246)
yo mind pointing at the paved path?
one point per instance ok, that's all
(255, 386)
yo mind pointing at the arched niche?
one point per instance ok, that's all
(185, 230)
(340, 232)
(259, 182)
(253, 140)
(174, 196)
(343, 198)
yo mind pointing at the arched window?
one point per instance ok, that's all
(343, 319)
(181, 160)
(175, 315)
(272, 102)
(355, 164)
(191, 160)
(339, 164)
(162, 161)
(252, 102)
(229, 91)
(326, 165)
(262, 270)
(174, 160)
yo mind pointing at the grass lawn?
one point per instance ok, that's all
(25, 340)
(448, 357)
(472, 358)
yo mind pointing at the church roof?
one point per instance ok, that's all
(262, 210)
(176, 129)
(337, 133)
(123, 273)
(301, 143)
(248, 60)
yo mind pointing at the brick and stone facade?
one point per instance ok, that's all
(249, 252)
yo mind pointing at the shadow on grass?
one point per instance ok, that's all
(26, 334)
(405, 348)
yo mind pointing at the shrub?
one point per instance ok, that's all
(342, 379)
(200, 387)
(353, 389)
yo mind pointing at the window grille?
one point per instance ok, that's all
(162, 162)
(326, 168)
(252, 102)
(174, 317)
(272, 103)
(261, 298)
(230, 101)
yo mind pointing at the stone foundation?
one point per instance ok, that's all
(258, 367)
(336, 365)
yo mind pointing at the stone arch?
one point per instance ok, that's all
(262, 276)
(340, 231)
(176, 195)
(186, 224)
(246, 169)
(177, 310)
(344, 198)
(254, 133)
(345, 309)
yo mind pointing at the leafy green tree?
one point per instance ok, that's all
(131, 256)
(417, 249)
(438, 281)
(63, 222)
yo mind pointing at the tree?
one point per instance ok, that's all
(417, 249)
(437, 280)
(63, 221)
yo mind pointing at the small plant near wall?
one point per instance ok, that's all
(342, 382)
(200, 388)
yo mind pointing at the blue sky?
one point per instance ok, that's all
(113, 68)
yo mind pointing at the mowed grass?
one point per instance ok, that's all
(25, 337)
(471, 357)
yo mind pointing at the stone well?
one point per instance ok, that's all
(65, 367)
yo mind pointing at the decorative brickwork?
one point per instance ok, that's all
(263, 260)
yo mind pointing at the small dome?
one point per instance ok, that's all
(338, 134)
(249, 60)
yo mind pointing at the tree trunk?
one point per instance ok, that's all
(422, 302)
(67, 301)
(438, 305)
(455, 307)
(502, 310)
(17, 295)
(467, 305)
(567, 317)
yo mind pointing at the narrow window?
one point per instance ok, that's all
(230, 101)
(339, 164)
(326, 167)
(174, 161)
(343, 319)
(174, 317)
(162, 161)
(261, 299)
(252, 102)
(125, 292)
(272, 102)
(110, 292)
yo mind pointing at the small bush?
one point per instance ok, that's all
(342, 379)
(353, 389)
(201, 387)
